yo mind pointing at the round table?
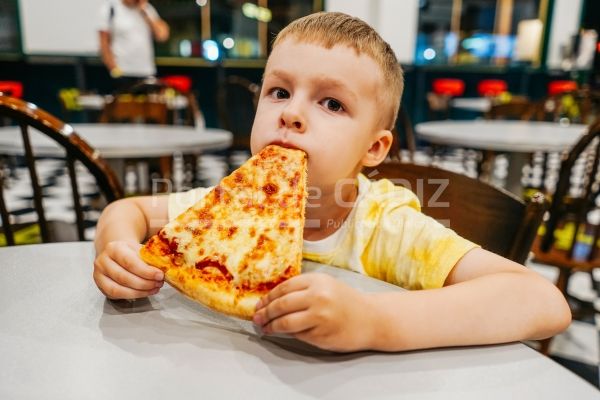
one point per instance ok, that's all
(124, 140)
(517, 138)
(478, 104)
(117, 142)
(60, 338)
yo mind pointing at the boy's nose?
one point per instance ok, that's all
(292, 120)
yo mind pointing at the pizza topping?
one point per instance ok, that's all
(294, 181)
(268, 285)
(171, 248)
(270, 189)
(212, 263)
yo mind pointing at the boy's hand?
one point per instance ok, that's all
(319, 310)
(120, 273)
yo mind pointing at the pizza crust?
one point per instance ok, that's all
(213, 295)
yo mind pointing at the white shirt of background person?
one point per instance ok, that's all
(131, 37)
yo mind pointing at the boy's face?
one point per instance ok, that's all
(322, 101)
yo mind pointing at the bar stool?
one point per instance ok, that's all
(179, 82)
(12, 88)
(448, 87)
(561, 86)
(491, 87)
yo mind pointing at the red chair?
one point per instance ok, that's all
(12, 89)
(491, 87)
(448, 87)
(178, 82)
(558, 87)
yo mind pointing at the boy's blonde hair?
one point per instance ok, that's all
(328, 29)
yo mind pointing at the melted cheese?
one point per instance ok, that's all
(251, 223)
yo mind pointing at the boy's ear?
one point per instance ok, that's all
(379, 149)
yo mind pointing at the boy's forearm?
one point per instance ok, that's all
(122, 220)
(496, 308)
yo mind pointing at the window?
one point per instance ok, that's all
(471, 31)
(231, 29)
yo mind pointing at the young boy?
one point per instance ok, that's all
(331, 88)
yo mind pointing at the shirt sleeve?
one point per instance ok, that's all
(151, 11)
(413, 250)
(180, 202)
(103, 23)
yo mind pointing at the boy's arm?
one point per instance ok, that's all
(487, 299)
(119, 272)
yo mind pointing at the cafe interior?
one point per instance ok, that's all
(501, 100)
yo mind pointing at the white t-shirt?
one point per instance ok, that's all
(131, 37)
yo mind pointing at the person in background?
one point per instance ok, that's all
(127, 29)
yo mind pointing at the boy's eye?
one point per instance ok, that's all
(333, 105)
(280, 93)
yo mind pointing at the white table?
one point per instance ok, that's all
(96, 102)
(117, 142)
(479, 104)
(60, 338)
(516, 138)
(124, 140)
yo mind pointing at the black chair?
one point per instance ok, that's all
(27, 115)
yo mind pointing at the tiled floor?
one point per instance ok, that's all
(577, 348)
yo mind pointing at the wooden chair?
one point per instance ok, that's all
(403, 137)
(578, 106)
(575, 198)
(518, 108)
(237, 99)
(130, 109)
(489, 216)
(27, 115)
(573, 202)
(152, 101)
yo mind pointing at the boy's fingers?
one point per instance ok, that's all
(294, 284)
(290, 303)
(290, 323)
(130, 260)
(125, 278)
(134, 246)
(113, 290)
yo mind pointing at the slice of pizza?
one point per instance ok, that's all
(242, 239)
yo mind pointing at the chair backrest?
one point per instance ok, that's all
(580, 106)
(577, 197)
(489, 216)
(27, 115)
(140, 109)
(403, 137)
(153, 101)
(237, 98)
(516, 109)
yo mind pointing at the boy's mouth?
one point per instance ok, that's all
(285, 144)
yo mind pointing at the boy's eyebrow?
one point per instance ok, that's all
(327, 82)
